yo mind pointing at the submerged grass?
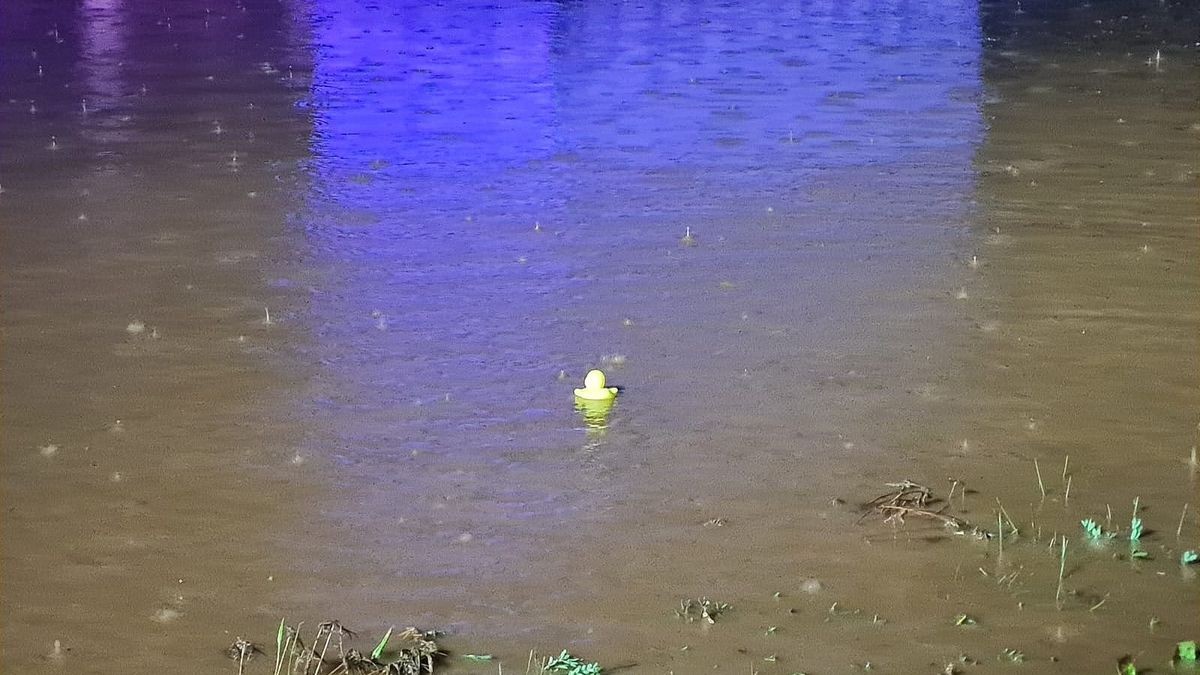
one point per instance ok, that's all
(412, 651)
(327, 654)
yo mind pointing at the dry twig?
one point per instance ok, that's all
(911, 499)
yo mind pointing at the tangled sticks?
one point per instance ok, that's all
(912, 499)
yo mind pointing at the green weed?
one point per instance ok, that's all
(1185, 653)
(571, 665)
(1094, 532)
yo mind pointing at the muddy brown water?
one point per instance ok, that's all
(933, 241)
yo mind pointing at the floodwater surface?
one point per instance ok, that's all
(295, 294)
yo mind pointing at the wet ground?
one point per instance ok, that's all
(295, 294)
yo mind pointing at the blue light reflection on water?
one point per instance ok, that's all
(459, 98)
(443, 134)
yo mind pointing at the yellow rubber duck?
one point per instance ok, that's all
(594, 389)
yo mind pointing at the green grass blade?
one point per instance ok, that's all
(279, 642)
(378, 651)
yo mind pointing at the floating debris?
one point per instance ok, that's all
(691, 609)
(912, 499)
(243, 651)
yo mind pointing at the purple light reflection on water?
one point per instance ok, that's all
(443, 134)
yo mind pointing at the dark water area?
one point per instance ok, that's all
(293, 296)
